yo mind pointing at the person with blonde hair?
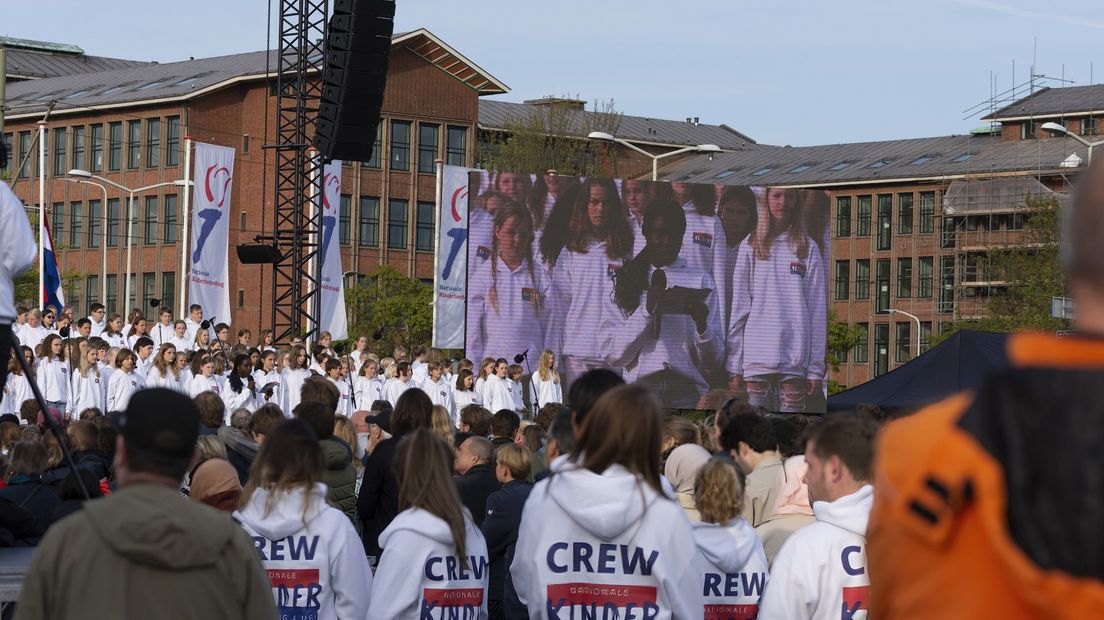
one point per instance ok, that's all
(442, 423)
(86, 387)
(500, 526)
(311, 545)
(294, 376)
(433, 555)
(544, 384)
(730, 563)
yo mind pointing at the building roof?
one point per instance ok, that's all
(494, 115)
(1054, 102)
(941, 158)
(32, 60)
(175, 81)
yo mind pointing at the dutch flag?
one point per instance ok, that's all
(52, 294)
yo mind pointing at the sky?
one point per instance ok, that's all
(799, 72)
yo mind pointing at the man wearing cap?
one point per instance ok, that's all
(146, 551)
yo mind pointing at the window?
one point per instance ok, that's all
(841, 165)
(427, 146)
(881, 163)
(400, 147)
(368, 222)
(95, 224)
(75, 220)
(241, 291)
(424, 227)
(61, 151)
(760, 172)
(903, 339)
(396, 224)
(24, 151)
(153, 142)
(862, 279)
(963, 157)
(885, 217)
(801, 168)
(904, 214)
(904, 278)
(947, 238)
(96, 157)
(1028, 130)
(149, 281)
(112, 293)
(344, 220)
(170, 236)
(114, 146)
(374, 160)
(924, 277)
(456, 146)
(861, 353)
(168, 289)
(149, 221)
(927, 212)
(78, 148)
(881, 285)
(134, 144)
(172, 140)
(862, 217)
(946, 284)
(112, 222)
(8, 137)
(843, 274)
(881, 349)
(925, 335)
(57, 224)
(92, 289)
(923, 159)
(1088, 126)
(843, 216)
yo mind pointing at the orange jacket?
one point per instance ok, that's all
(957, 529)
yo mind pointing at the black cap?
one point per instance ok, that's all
(161, 422)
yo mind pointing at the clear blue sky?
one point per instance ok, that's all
(783, 71)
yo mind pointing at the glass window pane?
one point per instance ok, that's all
(61, 143)
(882, 286)
(862, 217)
(397, 219)
(377, 146)
(885, 226)
(169, 234)
(843, 216)
(425, 226)
(400, 145)
(843, 273)
(95, 224)
(368, 222)
(149, 220)
(76, 224)
(134, 143)
(427, 146)
(153, 142)
(78, 148)
(344, 220)
(861, 352)
(862, 279)
(168, 290)
(114, 146)
(172, 140)
(904, 277)
(457, 146)
(927, 212)
(903, 340)
(113, 220)
(904, 214)
(97, 148)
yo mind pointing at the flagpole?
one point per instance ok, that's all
(183, 303)
(439, 164)
(42, 214)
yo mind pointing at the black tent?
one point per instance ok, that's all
(959, 363)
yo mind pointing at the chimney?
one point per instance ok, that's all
(689, 120)
(695, 121)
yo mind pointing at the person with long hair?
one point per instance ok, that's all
(738, 213)
(547, 189)
(673, 353)
(138, 329)
(486, 369)
(164, 372)
(367, 385)
(86, 386)
(180, 337)
(293, 378)
(607, 502)
(240, 386)
(544, 384)
(465, 393)
(726, 544)
(265, 374)
(265, 340)
(113, 332)
(433, 555)
(17, 387)
(443, 423)
(203, 379)
(310, 544)
(52, 373)
(124, 382)
(202, 341)
(636, 194)
(778, 331)
(598, 241)
(704, 242)
(131, 319)
(359, 354)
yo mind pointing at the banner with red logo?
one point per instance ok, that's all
(451, 279)
(332, 315)
(208, 278)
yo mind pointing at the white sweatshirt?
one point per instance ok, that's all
(97, 328)
(291, 388)
(191, 328)
(114, 340)
(170, 382)
(53, 380)
(464, 398)
(480, 388)
(419, 373)
(120, 388)
(516, 390)
(779, 313)
(160, 334)
(32, 336)
(498, 394)
(314, 558)
(86, 392)
(592, 540)
(705, 246)
(182, 344)
(440, 393)
(18, 251)
(261, 379)
(16, 390)
(514, 322)
(630, 342)
(393, 389)
(581, 286)
(732, 567)
(367, 390)
(821, 569)
(480, 237)
(344, 404)
(200, 384)
(420, 576)
(543, 392)
(237, 400)
(142, 368)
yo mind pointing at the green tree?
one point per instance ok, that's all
(842, 337)
(552, 136)
(398, 307)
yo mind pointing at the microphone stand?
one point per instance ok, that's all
(517, 359)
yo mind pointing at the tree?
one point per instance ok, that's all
(26, 285)
(553, 137)
(398, 307)
(842, 337)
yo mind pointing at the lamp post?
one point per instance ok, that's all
(1058, 130)
(601, 136)
(103, 240)
(84, 174)
(915, 319)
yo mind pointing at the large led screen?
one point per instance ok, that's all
(700, 291)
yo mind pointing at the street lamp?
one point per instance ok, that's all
(84, 174)
(103, 240)
(916, 320)
(601, 136)
(1058, 130)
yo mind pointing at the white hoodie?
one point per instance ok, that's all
(314, 558)
(120, 388)
(419, 575)
(17, 249)
(821, 569)
(733, 569)
(497, 394)
(590, 540)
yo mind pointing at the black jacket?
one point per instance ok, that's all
(475, 486)
(94, 461)
(500, 528)
(378, 502)
(30, 494)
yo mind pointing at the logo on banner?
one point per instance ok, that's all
(213, 213)
(329, 220)
(461, 193)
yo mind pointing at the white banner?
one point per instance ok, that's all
(451, 280)
(208, 280)
(332, 316)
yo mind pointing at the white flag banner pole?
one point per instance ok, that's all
(208, 280)
(451, 278)
(332, 315)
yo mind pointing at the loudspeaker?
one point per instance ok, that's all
(355, 74)
(257, 254)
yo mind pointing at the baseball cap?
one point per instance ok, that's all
(161, 422)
